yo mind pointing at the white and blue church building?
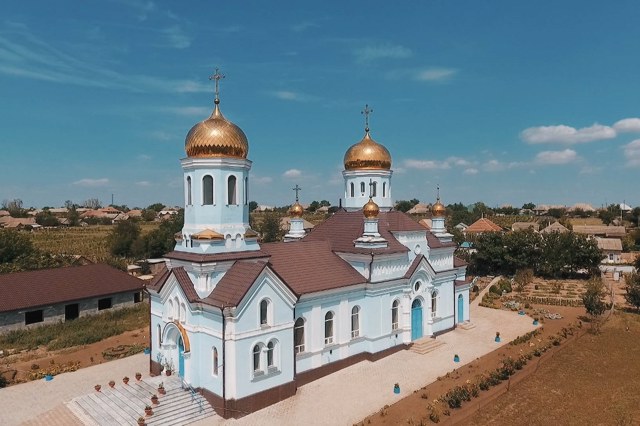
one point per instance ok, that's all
(246, 323)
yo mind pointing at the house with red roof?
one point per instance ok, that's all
(246, 324)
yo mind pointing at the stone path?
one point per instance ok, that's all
(342, 398)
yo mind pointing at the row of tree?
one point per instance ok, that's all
(552, 255)
(17, 253)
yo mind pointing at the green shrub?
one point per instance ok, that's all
(495, 290)
(504, 285)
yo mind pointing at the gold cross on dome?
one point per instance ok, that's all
(297, 189)
(217, 77)
(366, 111)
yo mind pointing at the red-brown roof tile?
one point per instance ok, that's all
(457, 262)
(185, 283)
(235, 284)
(483, 225)
(194, 257)
(23, 290)
(414, 266)
(310, 266)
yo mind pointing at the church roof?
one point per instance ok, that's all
(311, 266)
(30, 289)
(235, 284)
(219, 257)
(341, 229)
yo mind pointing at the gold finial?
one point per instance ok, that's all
(297, 189)
(217, 77)
(438, 192)
(366, 111)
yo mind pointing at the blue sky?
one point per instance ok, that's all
(504, 102)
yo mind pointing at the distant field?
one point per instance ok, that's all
(89, 241)
(586, 221)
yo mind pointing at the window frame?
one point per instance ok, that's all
(434, 304)
(329, 324)
(29, 317)
(299, 347)
(103, 301)
(208, 191)
(355, 322)
(232, 192)
(395, 311)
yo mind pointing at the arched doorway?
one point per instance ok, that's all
(460, 308)
(416, 319)
(180, 357)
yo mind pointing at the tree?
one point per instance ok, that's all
(606, 216)
(270, 228)
(162, 240)
(14, 245)
(593, 298)
(405, 206)
(45, 218)
(522, 250)
(528, 206)
(149, 214)
(73, 217)
(122, 237)
(314, 206)
(556, 212)
(69, 204)
(14, 207)
(522, 279)
(489, 256)
(92, 203)
(157, 207)
(253, 205)
(632, 289)
(325, 203)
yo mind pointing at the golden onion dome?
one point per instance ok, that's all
(216, 137)
(371, 209)
(367, 154)
(438, 209)
(296, 210)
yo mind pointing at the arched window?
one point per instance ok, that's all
(394, 314)
(215, 361)
(264, 312)
(270, 349)
(159, 335)
(231, 190)
(328, 328)
(207, 190)
(177, 311)
(353, 190)
(246, 191)
(298, 335)
(183, 313)
(355, 322)
(362, 187)
(374, 189)
(170, 311)
(189, 190)
(256, 358)
(384, 189)
(434, 304)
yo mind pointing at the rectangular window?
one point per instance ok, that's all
(104, 303)
(71, 311)
(137, 297)
(33, 317)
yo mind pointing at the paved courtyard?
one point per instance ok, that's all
(342, 398)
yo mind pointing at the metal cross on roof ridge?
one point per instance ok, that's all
(217, 77)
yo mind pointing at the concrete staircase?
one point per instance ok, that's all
(467, 325)
(426, 345)
(123, 404)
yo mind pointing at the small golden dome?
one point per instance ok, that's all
(216, 137)
(296, 210)
(438, 209)
(371, 209)
(367, 154)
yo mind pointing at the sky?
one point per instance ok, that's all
(505, 102)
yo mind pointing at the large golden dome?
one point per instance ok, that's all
(438, 209)
(216, 137)
(367, 154)
(371, 209)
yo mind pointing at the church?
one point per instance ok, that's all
(245, 324)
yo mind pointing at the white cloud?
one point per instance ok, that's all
(471, 171)
(302, 26)
(92, 182)
(426, 164)
(436, 74)
(556, 157)
(566, 134)
(292, 173)
(493, 166)
(627, 125)
(383, 51)
(176, 37)
(143, 183)
(287, 95)
(632, 153)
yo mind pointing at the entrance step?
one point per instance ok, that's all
(467, 325)
(123, 404)
(426, 345)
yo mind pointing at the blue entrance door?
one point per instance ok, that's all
(180, 357)
(460, 308)
(416, 319)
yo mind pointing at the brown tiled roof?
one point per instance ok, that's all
(554, 227)
(466, 281)
(235, 283)
(194, 257)
(457, 262)
(609, 244)
(344, 227)
(23, 290)
(435, 243)
(609, 231)
(414, 266)
(483, 225)
(161, 277)
(310, 266)
(185, 283)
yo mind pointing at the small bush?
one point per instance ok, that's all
(495, 290)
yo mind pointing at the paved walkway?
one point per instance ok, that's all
(342, 398)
